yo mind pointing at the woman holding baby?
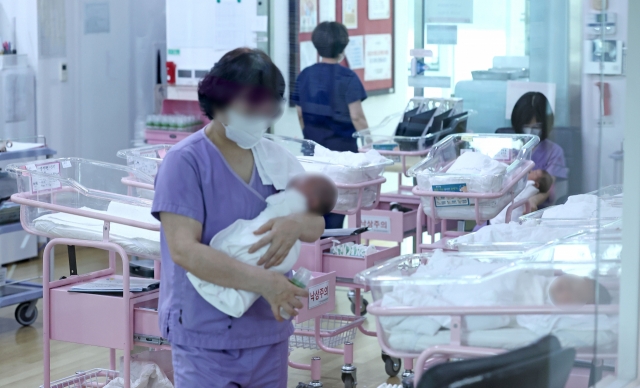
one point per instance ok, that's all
(205, 184)
(532, 114)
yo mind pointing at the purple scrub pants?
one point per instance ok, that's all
(264, 366)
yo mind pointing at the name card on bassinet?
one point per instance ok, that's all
(448, 201)
(41, 183)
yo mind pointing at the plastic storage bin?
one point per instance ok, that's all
(145, 159)
(611, 195)
(421, 302)
(352, 181)
(488, 194)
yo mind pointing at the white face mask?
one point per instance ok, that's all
(531, 131)
(246, 131)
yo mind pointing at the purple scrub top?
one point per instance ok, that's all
(195, 181)
(550, 157)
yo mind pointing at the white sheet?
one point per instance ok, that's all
(583, 206)
(516, 233)
(362, 167)
(515, 287)
(504, 338)
(236, 240)
(135, 241)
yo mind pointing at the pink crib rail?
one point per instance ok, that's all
(528, 165)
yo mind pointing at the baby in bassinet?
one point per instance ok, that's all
(538, 181)
(521, 287)
(311, 193)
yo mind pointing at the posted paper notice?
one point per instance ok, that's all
(308, 55)
(308, 15)
(379, 9)
(350, 14)
(377, 57)
(327, 11)
(355, 52)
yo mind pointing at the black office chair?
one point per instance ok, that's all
(543, 364)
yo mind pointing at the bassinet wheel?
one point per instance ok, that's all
(392, 366)
(363, 307)
(22, 314)
(348, 381)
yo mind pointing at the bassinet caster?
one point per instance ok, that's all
(363, 304)
(349, 377)
(392, 365)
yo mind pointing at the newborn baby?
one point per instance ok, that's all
(577, 290)
(311, 193)
(538, 181)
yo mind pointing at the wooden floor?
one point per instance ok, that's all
(21, 347)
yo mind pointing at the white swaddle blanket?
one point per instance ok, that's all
(347, 167)
(516, 287)
(520, 287)
(529, 191)
(583, 206)
(236, 240)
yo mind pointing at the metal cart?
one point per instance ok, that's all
(23, 293)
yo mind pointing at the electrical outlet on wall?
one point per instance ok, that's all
(63, 72)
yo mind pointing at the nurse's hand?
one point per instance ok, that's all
(280, 293)
(283, 232)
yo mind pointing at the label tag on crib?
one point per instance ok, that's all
(504, 155)
(66, 164)
(376, 224)
(448, 201)
(318, 295)
(148, 167)
(41, 183)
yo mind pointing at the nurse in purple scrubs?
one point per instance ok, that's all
(532, 114)
(205, 183)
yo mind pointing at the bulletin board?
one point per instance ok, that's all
(370, 25)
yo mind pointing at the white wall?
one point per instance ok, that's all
(110, 75)
(375, 108)
(24, 12)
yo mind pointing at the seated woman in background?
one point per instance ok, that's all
(329, 98)
(533, 115)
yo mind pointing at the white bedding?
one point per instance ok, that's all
(363, 167)
(515, 287)
(480, 174)
(504, 338)
(135, 241)
(584, 206)
(515, 233)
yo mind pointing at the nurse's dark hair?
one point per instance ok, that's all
(533, 105)
(245, 71)
(330, 39)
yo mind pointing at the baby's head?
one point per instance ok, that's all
(543, 180)
(577, 290)
(320, 191)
